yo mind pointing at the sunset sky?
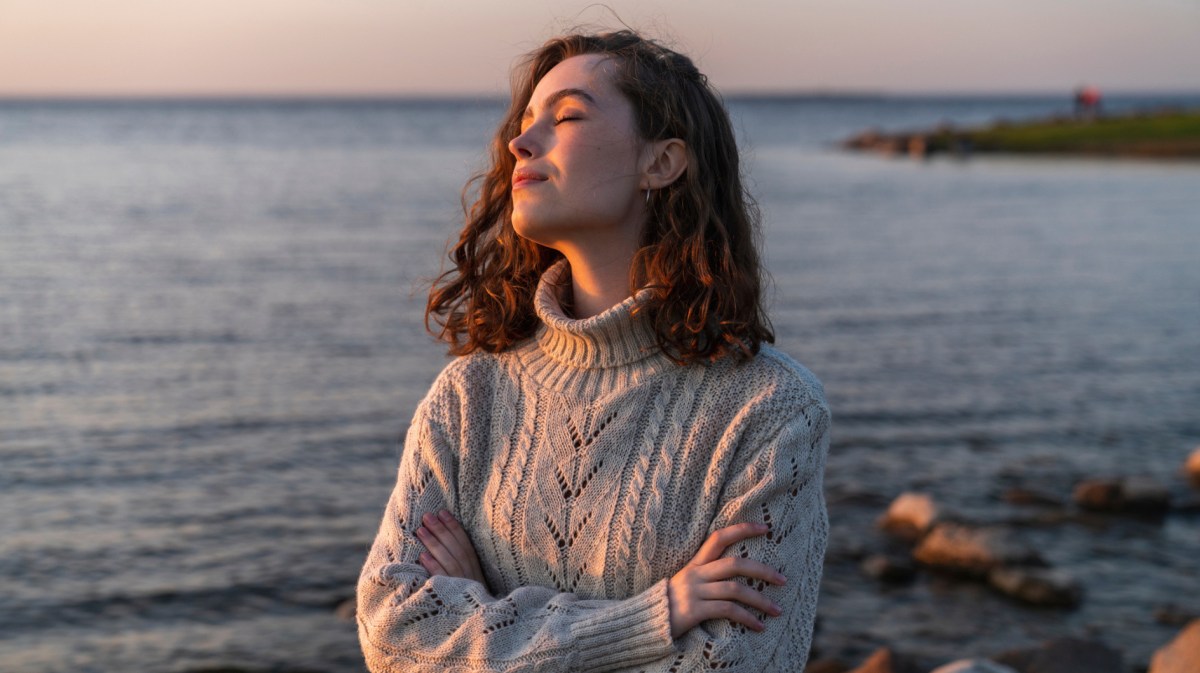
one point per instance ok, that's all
(388, 47)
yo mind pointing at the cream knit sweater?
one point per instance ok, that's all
(588, 469)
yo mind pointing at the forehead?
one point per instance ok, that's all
(589, 72)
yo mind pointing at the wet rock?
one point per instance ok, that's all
(910, 516)
(1129, 494)
(973, 666)
(1064, 655)
(1025, 496)
(1097, 494)
(1171, 614)
(885, 660)
(890, 569)
(1182, 654)
(826, 666)
(1192, 467)
(1037, 586)
(973, 551)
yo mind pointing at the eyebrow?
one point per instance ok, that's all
(559, 95)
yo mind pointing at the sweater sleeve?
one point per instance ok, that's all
(411, 621)
(781, 485)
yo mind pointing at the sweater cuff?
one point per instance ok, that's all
(631, 632)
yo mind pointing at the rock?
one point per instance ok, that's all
(1037, 586)
(973, 666)
(889, 569)
(1025, 496)
(1129, 494)
(910, 516)
(1064, 655)
(884, 660)
(1192, 467)
(1097, 494)
(973, 551)
(825, 666)
(1173, 615)
(1182, 654)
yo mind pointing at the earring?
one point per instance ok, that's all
(647, 197)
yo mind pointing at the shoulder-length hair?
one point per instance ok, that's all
(698, 254)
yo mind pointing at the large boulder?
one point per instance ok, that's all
(910, 516)
(1127, 494)
(973, 666)
(1192, 467)
(1182, 654)
(1037, 586)
(1064, 655)
(973, 551)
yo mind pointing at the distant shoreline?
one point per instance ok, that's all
(1160, 134)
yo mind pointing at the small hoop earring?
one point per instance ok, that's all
(647, 197)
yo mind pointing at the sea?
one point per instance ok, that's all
(212, 341)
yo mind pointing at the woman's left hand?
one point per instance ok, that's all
(450, 550)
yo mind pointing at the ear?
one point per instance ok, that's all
(665, 162)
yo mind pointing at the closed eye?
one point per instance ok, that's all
(565, 119)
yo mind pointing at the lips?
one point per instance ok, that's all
(524, 177)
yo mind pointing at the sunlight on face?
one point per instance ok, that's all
(577, 181)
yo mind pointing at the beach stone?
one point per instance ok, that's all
(1097, 494)
(1037, 586)
(910, 516)
(973, 666)
(973, 551)
(1025, 496)
(1064, 655)
(889, 569)
(1128, 494)
(886, 660)
(1182, 654)
(1192, 467)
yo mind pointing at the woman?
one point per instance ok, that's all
(618, 472)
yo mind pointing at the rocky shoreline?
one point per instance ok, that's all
(1157, 134)
(925, 538)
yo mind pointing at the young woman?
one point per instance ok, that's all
(618, 472)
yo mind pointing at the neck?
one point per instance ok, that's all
(598, 281)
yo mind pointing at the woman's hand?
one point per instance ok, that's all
(704, 589)
(450, 550)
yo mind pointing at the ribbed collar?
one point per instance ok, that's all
(613, 338)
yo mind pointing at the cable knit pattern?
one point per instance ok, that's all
(588, 469)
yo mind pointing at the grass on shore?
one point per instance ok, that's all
(1168, 134)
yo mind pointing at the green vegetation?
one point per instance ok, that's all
(1164, 134)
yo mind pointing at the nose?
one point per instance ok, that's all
(521, 145)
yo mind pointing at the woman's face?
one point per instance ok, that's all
(577, 181)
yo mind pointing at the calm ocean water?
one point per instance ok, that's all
(211, 344)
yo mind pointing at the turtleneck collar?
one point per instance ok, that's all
(613, 338)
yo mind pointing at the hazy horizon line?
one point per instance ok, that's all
(735, 94)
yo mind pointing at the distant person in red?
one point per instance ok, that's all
(1087, 101)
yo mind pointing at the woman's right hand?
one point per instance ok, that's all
(704, 589)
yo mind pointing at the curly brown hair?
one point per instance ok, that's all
(698, 254)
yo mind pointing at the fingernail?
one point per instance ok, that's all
(427, 517)
(422, 532)
(445, 515)
(759, 625)
(775, 608)
(780, 578)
